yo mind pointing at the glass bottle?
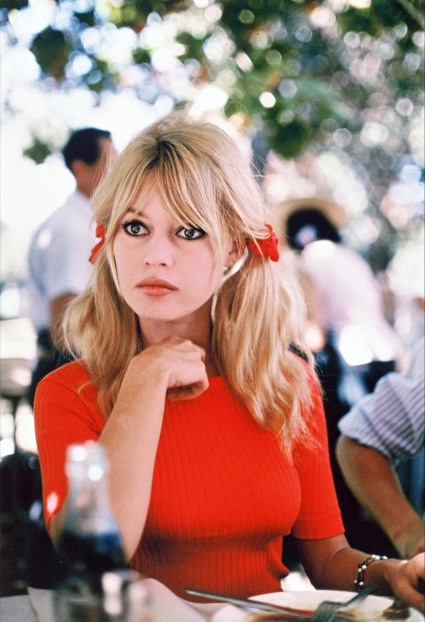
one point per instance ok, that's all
(90, 547)
(89, 543)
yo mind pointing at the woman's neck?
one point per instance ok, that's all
(197, 329)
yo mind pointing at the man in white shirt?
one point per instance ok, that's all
(58, 263)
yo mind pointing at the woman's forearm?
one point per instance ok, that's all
(331, 564)
(131, 434)
(131, 437)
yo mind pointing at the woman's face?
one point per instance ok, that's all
(166, 272)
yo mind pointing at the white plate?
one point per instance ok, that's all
(370, 608)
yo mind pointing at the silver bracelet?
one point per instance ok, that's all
(359, 581)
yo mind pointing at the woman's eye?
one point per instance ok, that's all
(190, 233)
(135, 227)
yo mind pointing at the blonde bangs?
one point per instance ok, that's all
(192, 193)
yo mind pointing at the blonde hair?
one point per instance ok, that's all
(204, 181)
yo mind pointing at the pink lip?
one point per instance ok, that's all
(156, 287)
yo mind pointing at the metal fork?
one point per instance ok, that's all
(328, 610)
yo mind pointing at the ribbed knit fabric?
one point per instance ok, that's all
(223, 494)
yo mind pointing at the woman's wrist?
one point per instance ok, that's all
(409, 538)
(360, 580)
(147, 372)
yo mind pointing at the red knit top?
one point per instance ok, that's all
(223, 495)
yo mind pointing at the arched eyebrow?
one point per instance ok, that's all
(134, 211)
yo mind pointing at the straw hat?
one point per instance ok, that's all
(334, 212)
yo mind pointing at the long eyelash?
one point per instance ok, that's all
(193, 228)
(133, 221)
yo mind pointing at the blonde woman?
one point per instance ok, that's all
(213, 426)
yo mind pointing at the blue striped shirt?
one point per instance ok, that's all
(392, 418)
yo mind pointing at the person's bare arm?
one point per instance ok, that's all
(374, 482)
(331, 564)
(173, 369)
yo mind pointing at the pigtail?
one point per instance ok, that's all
(255, 328)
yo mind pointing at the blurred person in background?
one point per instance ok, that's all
(407, 280)
(58, 255)
(350, 294)
(381, 450)
(353, 343)
(381, 429)
(406, 275)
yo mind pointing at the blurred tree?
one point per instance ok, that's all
(52, 48)
(308, 75)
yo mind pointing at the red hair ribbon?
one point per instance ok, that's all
(267, 246)
(100, 233)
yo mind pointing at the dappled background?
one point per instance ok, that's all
(329, 93)
(325, 96)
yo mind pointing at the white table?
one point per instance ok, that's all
(37, 606)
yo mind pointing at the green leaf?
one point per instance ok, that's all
(51, 48)
(38, 151)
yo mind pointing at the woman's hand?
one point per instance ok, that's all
(177, 364)
(407, 581)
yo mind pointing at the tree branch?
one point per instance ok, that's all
(413, 12)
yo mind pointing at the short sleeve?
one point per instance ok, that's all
(319, 515)
(65, 412)
(391, 420)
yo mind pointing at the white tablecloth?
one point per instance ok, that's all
(167, 607)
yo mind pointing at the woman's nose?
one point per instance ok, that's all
(158, 252)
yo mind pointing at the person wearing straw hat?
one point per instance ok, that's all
(349, 292)
(354, 344)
